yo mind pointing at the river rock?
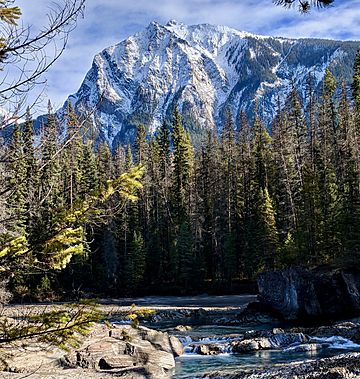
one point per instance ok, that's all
(207, 349)
(160, 340)
(251, 345)
(310, 347)
(349, 330)
(268, 340)
(286, 339)
(183, 328)
(142, 346)
(298, 293)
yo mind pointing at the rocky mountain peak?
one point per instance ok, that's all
(202, 69)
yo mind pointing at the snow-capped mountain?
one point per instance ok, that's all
(202, 69)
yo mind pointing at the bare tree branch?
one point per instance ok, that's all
(25, 56)
(304, 5)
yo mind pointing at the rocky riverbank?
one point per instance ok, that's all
(344, 366)
(194, 335)
(339, 336)
(106, 352)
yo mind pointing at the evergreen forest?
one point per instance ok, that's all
(166, 215)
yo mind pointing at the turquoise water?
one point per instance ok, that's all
(190, 364)
(187, 365)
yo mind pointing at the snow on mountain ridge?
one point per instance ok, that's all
(202, 69)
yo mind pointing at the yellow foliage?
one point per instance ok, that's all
(10, 15)
(69, 238)
(59, 250)
(62, 328)
(14, 246)
(136, 314)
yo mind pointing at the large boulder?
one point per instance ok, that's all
(207, 349)
(123, 347)
(269, 340)
(159, 340)
(298, 293)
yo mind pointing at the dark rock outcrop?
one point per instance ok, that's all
(299, 293)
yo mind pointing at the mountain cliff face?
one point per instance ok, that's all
(202, 69)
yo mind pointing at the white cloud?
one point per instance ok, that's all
(109, 21)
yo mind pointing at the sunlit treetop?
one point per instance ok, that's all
(304, 5)
(8, 13)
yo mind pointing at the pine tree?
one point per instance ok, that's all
(349, 195)
(162, 171)
(185, 254)
(262, 154)
(88, 168)
(327, 169)
(32, 176)
(244, 195)
(72, 156)
(50, 194)
(301, 182)
(268, 241)
(181, 184)
(207, 207)
(355, 86)
(183, 164)
(17, 200)
(228, 180)
(284, 172)
(50, 173)
(136, 260)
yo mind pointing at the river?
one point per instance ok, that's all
(192, 364)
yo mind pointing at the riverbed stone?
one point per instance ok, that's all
(310, 347)
(177, 347)
(349, 330)
(285, 339)
(251, 345)
(183, 328)
(207, 349)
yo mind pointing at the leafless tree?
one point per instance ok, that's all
(26, 55)
(304, 5)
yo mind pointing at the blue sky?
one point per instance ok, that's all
(107, 22)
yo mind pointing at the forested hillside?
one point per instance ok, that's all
(253, 198)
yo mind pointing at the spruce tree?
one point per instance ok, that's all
(32, 176)
(328, 163)
(73, 143)
(182, 180)
(17, 200)
(228, 182)
(136, 261)
(185, 254)
(285, 176)
(88, 168)
(355, 86)
(183, 164)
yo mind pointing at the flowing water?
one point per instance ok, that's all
(191, 364)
